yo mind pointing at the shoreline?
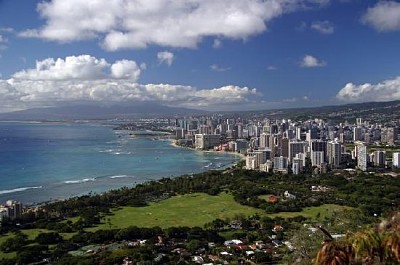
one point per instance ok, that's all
(242, 156)
(19, 192)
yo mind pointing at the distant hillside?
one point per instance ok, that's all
(376, 111)
(98, 112)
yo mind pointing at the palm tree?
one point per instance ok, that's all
(378, 245)
(333, 252)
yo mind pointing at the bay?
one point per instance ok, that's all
(51, 161)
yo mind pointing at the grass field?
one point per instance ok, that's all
(325, 210)
(187, 210)
(196, 210)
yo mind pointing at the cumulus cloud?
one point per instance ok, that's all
(384, 91)
(82, 67)
(324, 27)
(126, 69)
(384, 16)
(165, 57)
(87, 78)
(310, 61)
(138, 23)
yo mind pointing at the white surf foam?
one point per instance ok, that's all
(19, 189)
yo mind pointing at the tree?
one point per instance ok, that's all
(14, 243)
(333, 253)
(378, 245)
(48, 238)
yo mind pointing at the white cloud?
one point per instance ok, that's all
(272, 68)
(9, 30)
(86, 78)
(324, 27)
(384, 16)
(310, 61)
(72, 67)
(82, 67)
(168, 23)
(384, 91)
(165, 57)
(218, 68)
(126, 69)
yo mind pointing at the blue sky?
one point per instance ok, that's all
(204, 54)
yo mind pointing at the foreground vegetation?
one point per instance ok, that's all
(189, 212)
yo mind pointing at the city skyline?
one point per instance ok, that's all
(210, 55)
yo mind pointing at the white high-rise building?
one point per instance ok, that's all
(396, 160)
(317, 158)
(334, 153)
(362, 156)
(206, 141)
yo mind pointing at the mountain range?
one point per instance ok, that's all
(388, 110)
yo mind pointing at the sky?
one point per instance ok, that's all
(204, 54)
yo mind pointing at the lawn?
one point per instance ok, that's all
(196, 210)
(32, 234)
(325, 210)
(187, 210)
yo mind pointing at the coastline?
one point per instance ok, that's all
(103, 145)
(242, 156)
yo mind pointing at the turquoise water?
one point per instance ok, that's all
(48, 161)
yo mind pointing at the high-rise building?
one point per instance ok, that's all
(280, 164)
(396, 160)
(264, 140)
(392, 136)
(357, 134)
(206, 141)
(317, 158)
(334, 153)
(296, 147)
(298, 163)
(284, 146)
(319, 146)
(379, 158)
(362, 156)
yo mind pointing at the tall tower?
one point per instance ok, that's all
(334, 153)
(362, 156)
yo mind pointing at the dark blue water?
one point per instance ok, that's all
(48, 161)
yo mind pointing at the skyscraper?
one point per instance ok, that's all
(334, 153)
(362, 156)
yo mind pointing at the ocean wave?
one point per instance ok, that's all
(19, 189)
(120, 176)
(79, 181)
(115, 152)
(207, 166)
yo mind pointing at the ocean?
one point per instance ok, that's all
(50, 161)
